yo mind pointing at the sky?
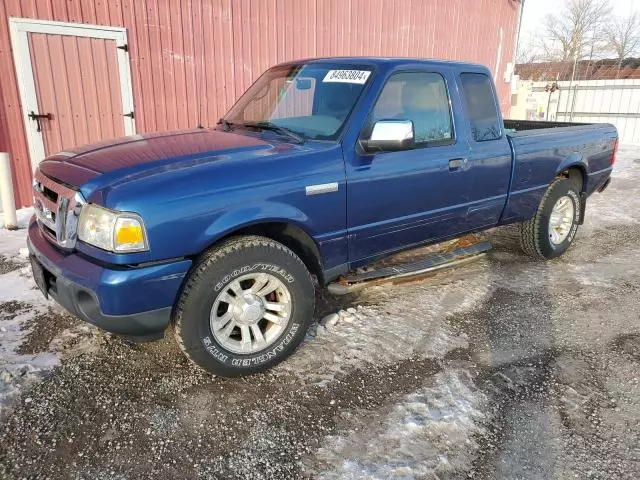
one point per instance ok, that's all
(535, 10)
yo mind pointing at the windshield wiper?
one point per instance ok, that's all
(275, 128)
(226, 124)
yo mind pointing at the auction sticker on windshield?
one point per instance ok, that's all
(347, 76)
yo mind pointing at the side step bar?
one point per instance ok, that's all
(429, 263)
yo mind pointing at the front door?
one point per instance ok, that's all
(74, 82)
(397, 199)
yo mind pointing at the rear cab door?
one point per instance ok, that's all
(490, 154)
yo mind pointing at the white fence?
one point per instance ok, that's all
(607, 101)
(590, 101)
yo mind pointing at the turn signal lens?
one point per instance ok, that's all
(128, 235)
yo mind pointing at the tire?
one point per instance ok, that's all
(229, 276)
(536, 236)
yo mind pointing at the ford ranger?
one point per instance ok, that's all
(323, 166)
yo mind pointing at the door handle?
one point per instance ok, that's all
(457, 163)
(37, 116)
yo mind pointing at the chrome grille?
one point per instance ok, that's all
(57, 209)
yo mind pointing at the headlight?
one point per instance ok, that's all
(119, 232)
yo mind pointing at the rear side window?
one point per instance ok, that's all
(422, 98)
(481, 105)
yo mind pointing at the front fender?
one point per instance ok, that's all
(253, 214)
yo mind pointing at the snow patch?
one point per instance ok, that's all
(429, 433)
(11, 241)
(406, 320)
(23, 215)
(617, 206)
(20, 301)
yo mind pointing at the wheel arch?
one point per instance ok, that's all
(574, 166)
(289, 233)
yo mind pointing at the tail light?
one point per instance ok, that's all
(613, 154)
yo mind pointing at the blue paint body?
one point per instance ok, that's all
(193, 188)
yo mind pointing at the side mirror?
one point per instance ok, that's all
(390, 136)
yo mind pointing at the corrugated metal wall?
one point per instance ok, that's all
(602, 101)
(190, 59)
(583, 101)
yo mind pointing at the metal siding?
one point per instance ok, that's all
(190, 59)
(12, 135)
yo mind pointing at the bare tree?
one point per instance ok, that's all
(622, 35)
(576, 30)
(528, 50)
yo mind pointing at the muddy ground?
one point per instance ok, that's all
(505, 368)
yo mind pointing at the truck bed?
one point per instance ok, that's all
(514, 126)
(542, 149)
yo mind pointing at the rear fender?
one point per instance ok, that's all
(575, 160)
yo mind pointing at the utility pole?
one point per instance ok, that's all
(551, 87)
(573, 75)
(573, 97)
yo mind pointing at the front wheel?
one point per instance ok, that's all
(553, 227)
(245, 307)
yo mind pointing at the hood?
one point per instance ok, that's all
(135, 154)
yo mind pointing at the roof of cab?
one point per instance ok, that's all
(388, 61)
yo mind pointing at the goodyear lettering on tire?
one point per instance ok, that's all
(257, 360)
(266, 267)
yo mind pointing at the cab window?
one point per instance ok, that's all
(481, 106)
(422, 98)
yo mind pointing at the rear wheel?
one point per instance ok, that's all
(553, 227)
(245, 307)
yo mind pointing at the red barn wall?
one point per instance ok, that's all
(190, 60)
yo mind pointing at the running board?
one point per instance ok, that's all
(429, 263)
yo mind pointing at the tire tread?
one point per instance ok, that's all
(530, 229)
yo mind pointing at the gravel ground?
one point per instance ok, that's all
(505, 368)
(8, 265)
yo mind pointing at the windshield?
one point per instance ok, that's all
(310, 100)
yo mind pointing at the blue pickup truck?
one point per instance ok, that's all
(323, 166)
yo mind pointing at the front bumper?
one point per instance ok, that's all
(132, 301)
